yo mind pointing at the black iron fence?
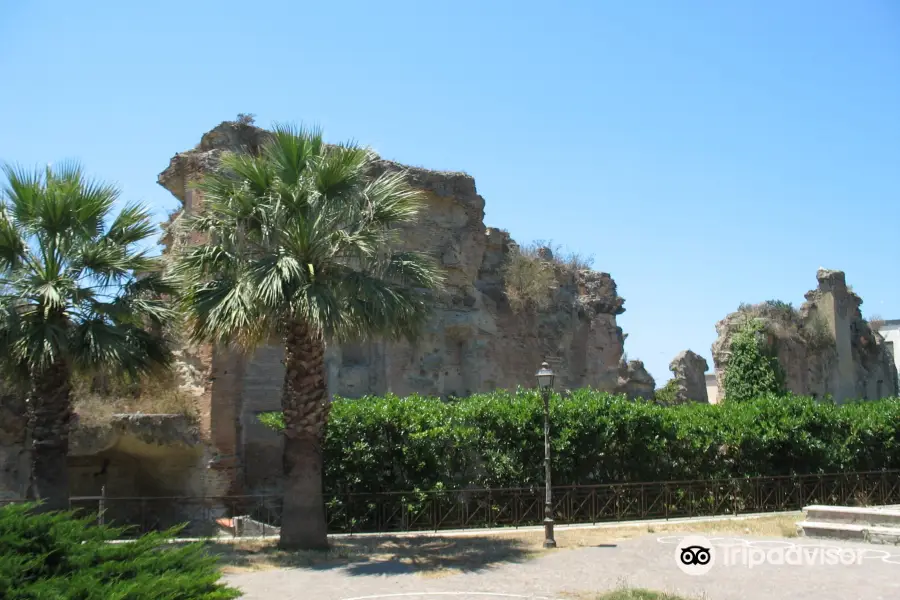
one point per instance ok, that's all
(515, 507)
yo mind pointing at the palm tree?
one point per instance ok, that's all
(78, 296)
(301, 246)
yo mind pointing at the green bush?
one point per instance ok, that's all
(753, 369)
(496, 440)
(666, 395)
(60, 556)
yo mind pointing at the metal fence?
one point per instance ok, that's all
(515, 507)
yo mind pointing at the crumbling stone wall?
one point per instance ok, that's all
(14, 458)
(635, 381)
(689, 376)
(131, 457)
(472, 343)
(826, 348)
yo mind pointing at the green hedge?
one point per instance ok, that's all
(496, 440)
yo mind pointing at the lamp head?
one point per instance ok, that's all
(545, 377)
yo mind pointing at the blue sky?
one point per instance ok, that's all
(705, 153)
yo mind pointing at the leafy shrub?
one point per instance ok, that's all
(496, 440)
(753, 369)
(666, 395)
(60, 556)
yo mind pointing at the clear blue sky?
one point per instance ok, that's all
(706, 153)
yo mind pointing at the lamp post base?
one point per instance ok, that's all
(549, 540)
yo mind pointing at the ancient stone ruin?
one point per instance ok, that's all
(826, 348)
(634, 380)
(689, 377)
(474, 342)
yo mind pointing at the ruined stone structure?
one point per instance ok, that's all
(131, 456)
(474, 342)
(689, 374)
(826, 348)
(635, 381)
(14, 457)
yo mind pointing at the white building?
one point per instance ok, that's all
(890, 331)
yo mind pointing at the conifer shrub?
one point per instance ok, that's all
(64, 556)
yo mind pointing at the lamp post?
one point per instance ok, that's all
(545, 383)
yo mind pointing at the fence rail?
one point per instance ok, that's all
(512, 507)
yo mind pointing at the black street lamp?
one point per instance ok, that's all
(545, 383)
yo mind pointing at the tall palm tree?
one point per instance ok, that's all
(78, 294)
(301, 246)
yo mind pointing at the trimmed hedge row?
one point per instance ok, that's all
(496, 440)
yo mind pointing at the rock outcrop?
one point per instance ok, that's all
(15, 460)
(635, 381)
(131, 455)
(689, 377)
(474, 342)
(826, 348)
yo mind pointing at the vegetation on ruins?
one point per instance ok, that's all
(79, 294)
(531, 274)
(64, 556)
(496, 440)
(301, 246)
(785, 322)
(753, 369)
(96, 399)
(666, 395)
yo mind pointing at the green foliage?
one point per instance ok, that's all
(77, 284)
(496, 440)
(753, 369)
(303, 232)
(60, 556)
(666, 394)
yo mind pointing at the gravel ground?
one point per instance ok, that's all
(643, 562)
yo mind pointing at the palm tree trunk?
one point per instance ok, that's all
(304, 400)
(49, 412)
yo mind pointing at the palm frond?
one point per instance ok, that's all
(291, 149)
(414, 269)
(392, 201)
(12, 246)
(68, 279)
(302, 233)
(23, 189)
(133, 224)
(340, 172)
(98, 343)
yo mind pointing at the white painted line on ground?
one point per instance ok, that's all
(408, 594)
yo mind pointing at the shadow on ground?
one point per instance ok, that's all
(381, 556)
